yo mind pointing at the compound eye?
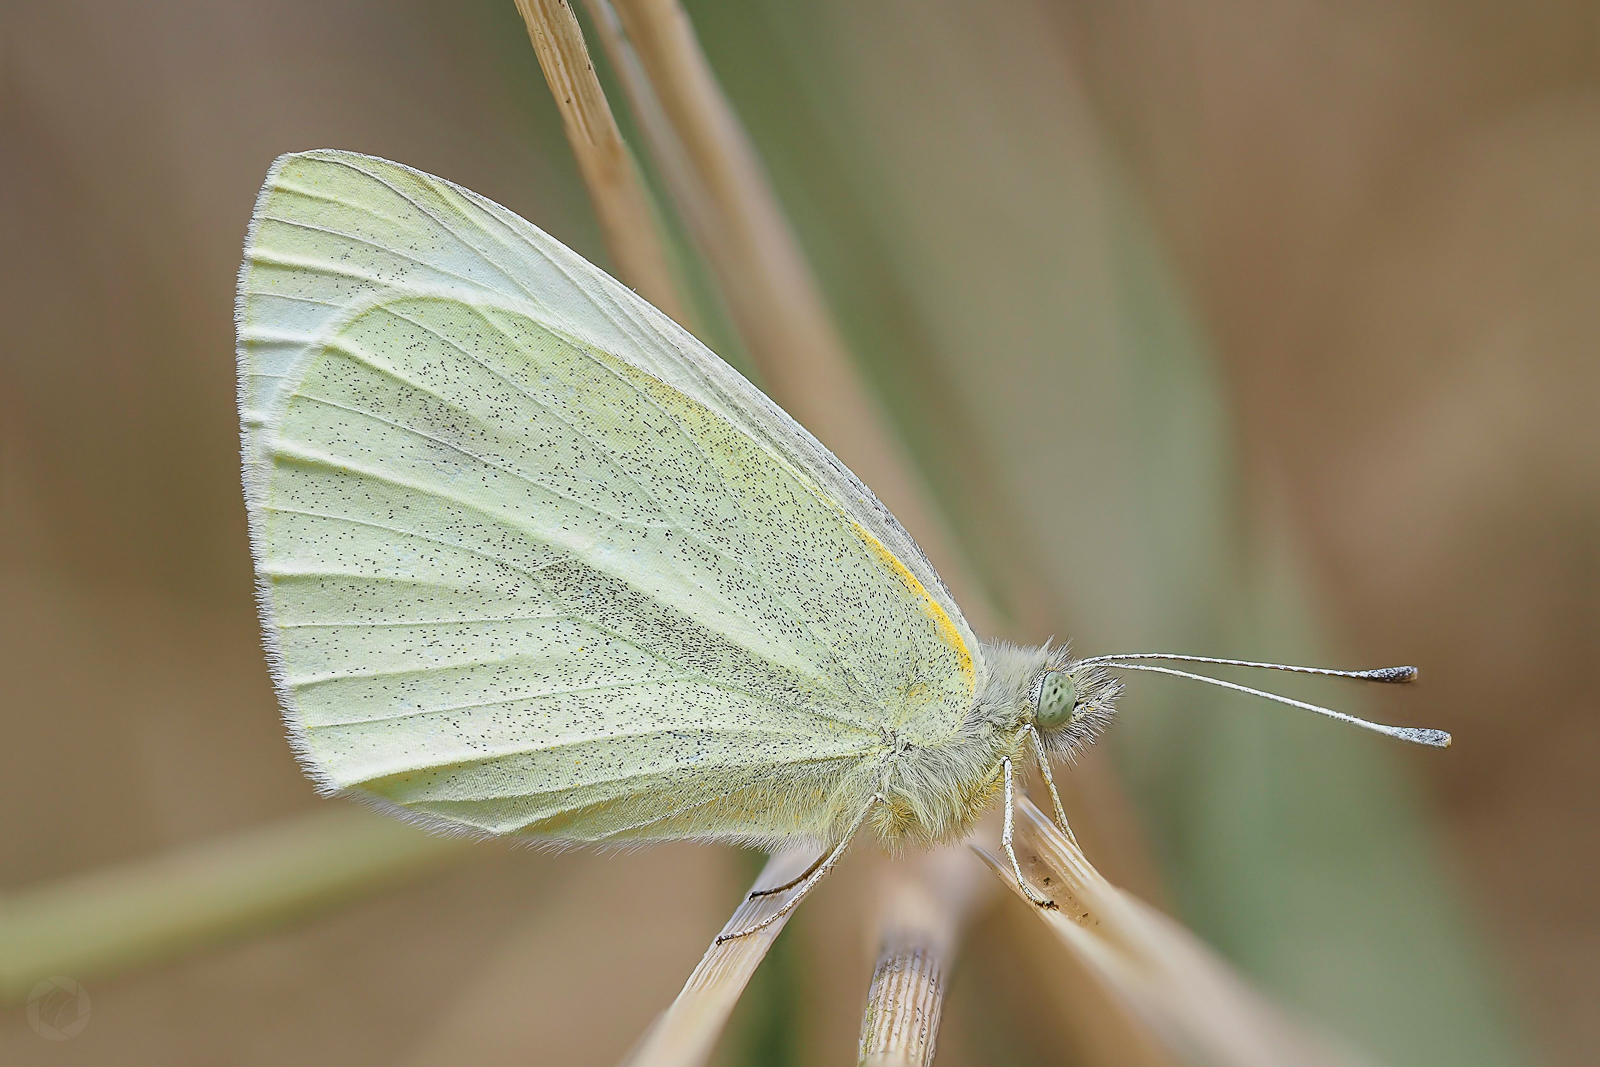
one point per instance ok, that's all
(1057, 697)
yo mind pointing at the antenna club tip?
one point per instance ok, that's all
(1435, 738)
(1393, 674)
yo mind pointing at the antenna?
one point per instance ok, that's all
(1378, 674)
(1436, 738)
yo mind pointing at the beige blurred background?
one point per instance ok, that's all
(1382, 223)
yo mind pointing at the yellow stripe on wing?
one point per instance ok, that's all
(941, 621)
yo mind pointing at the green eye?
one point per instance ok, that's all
(1057, 697)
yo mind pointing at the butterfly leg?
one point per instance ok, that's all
(809, 881)
(791, 883)
(1050, 783)
(1005, 840)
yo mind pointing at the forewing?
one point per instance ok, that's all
(520, 576)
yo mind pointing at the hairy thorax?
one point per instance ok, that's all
(937, 791)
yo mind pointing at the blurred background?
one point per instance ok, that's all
(1241, 328)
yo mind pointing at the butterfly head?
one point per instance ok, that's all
(1071, 702)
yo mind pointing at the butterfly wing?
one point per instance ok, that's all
(534, 560)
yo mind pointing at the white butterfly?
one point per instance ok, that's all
(532, 560)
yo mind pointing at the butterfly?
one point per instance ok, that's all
(531, 560)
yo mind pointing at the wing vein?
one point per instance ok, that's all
(442, 224)
(355, 239)
(413, 622)
(294, 188)
(396, 530)
(274, 258)
(575, 742)
(526, 697)
(503, 469)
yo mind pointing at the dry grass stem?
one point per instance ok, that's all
(686, 1032)
(924, 902)
(1188, 996)
(620, 201)
(901, 1024)
(666, 151)
(143, 912)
